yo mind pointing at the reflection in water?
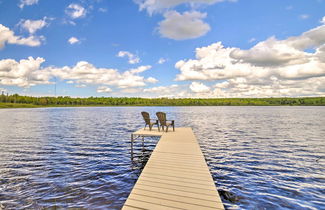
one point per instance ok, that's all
(260, 157)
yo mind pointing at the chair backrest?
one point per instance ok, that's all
(146, 117)
(161, 117)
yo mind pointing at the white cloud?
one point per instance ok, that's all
(171, 91)
(151, 80)
(104, 89)
(76, 11)
(131, 90)
(188, 25)
(73, 40)
(133, 59)
(24, 73)
(140, 69)
(68, 22)
(102, 10)
(252, 40)
(27, 3)
(160, 89)
(86, 73)
(160, 5)
(33, 25)
(8, 36)
(304, 16)
(198, 87)
(323, 20)
(80, 86)
(28, 72)
(271, 52)
(273, 87)
(161, 60)
(270, 68)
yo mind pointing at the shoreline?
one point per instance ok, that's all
(18, 101)
(33, 106)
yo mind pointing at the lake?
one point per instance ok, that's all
(259, 157)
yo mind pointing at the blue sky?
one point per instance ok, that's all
(163, 48)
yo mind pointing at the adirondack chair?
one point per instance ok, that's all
(148, 121)
(164, 122)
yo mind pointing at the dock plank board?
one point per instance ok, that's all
(176, 175)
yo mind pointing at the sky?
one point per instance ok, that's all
(163, 48)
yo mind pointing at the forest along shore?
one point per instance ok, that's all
(18, 101)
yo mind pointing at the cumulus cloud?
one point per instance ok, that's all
(270, 68)
(133, 59)
(27, 3)
(28, 72)
(252, 40)
(161, 60)
(68, 22)
(102, 10)
(104, 89)
(171, 91)
(7, 36)
(188, 25)
(33, 25)
(81, 86)
(198, 87)
(73, 40)
(160, 5)
(160, 89)
(273, 52)
(86, 73)
(76, 11)
(151, 80)
(323, 20)
(273, 87)
(140, 69)
(270, 53)
(23, 73)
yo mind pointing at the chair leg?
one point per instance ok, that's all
(145, 127)
(150, 127)
(158, 127)
(173, 127)
(167, 128)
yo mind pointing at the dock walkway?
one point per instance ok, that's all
(176, 175)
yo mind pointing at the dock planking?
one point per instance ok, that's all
(176, 175)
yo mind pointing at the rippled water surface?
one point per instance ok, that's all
(260, 157)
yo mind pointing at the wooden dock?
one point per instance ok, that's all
(176, 175)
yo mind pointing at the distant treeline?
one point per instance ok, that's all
(124, 101)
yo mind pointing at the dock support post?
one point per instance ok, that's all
(142, 142)
(131, 146)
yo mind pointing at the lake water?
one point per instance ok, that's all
(260, 157)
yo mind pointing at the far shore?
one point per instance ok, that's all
(16, 106)
(18, 101)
